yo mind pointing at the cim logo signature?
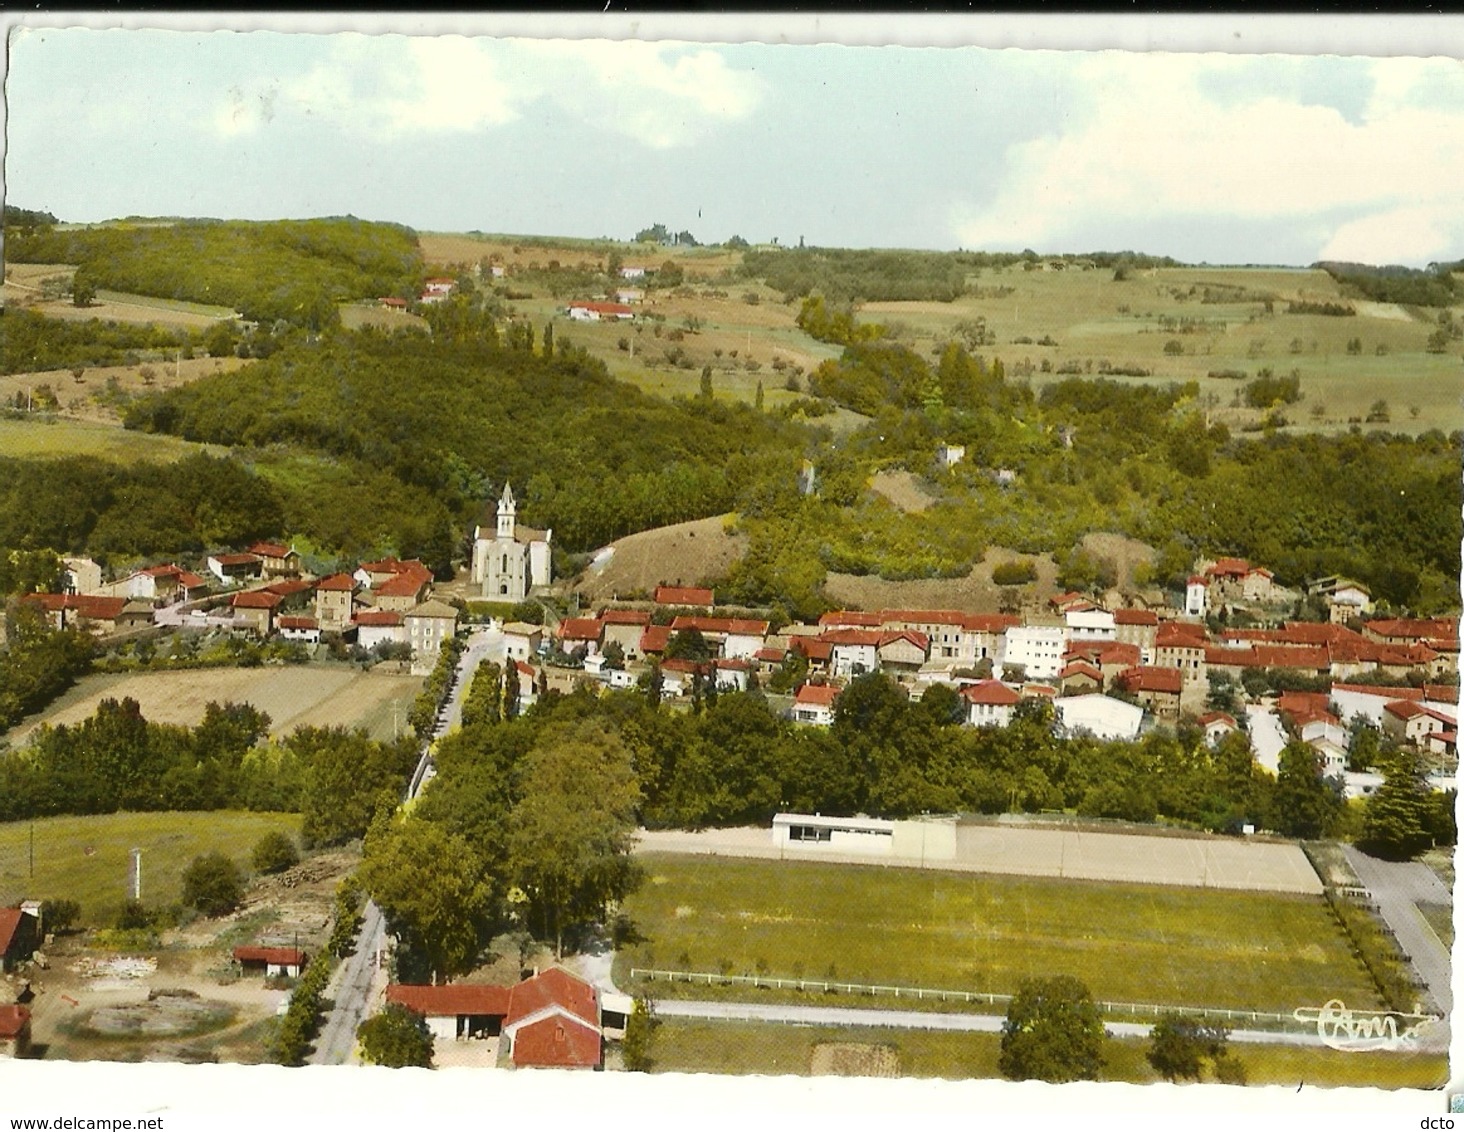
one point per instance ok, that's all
(1358, 1030)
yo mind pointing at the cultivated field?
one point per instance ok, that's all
(87, 859)
(23, 287)
(750, 1048)
(356, 315)
(861, 924)
(292, 696)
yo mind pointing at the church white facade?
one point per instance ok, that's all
(509, 560)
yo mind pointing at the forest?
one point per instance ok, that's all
(296, 270)
(32, 342)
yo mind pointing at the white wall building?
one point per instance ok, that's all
(1103, 716)
(1038, 648)
(512, 560)
(1091, 625)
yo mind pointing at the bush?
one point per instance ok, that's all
(213, 884)
(59, 916)
(397, 1037)
(274, 853)
(1014, 573)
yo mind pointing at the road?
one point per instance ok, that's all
(1267, 735)
(350, 986)
(1399, 887)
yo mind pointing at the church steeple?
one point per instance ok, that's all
(506, 509)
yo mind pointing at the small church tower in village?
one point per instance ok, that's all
(509, 560)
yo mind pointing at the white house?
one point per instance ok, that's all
(853, 651)
(949, 455)
(379, 626)
(1038, 648)
(814, 703)
(304, 629)
(989, 703)
(521, 640)
(1217, 725)
(1196, 596)
(1090, 625)
(632, 272)
(1102, 716)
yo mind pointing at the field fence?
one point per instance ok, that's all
(935, 994)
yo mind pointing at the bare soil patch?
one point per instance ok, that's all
(974, 593)
(172, 1014)
(1126, 553)
(853, 1059)
(682, 554)
(904, 490)
(79, 398)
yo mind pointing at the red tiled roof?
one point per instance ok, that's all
(1405, 709)
(580, 629)
(288, 587)
(1197, 580)
(256, 599)
(990, 692)
(453, 999)
(1067, 599)
(297, 623)
(923, 617)
(286, 955)
(1135, 617)
(812, 648)
(406, 583)
(1046, 690)
(1302, 701)
(337, 582)
(728, 625)
(554, 1043)
(1080, 668)
(1229, 568)
(852, 637)
(554, 987)
(9, 921)
(1293, 656)
(625, 617)
(602, 308)
(1384, 692)
(189, 580)
(1149, 678)
(771, 656)
(13, 1019)
(920, 640)
(168, 571)
(848, 618)
(1104, 652)
(525, 669)
(818, 695)
(1217, 717)
(393, 302)
(681, 664)
(1231, 656)
(270, 550)
(683, 595)
(379, 618)
(1182, 635)
(735, 664)
(1437, 628)
(90, 606)
(655, 638)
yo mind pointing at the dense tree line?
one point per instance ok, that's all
(37, 664)
(118, 760)
(588, 456)
(1432, 287)
(850, 275)
(32, 342)
(296, 270)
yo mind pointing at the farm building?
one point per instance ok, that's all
(456, 1011)
(271, 961)
(599, 312)
(276, 557)
(15, 1031)
(20, 935)
(235, 568)
(305, 629)
(380, 626)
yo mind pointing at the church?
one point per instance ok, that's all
(509, 560)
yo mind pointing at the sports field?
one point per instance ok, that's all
(292, 696)
(1138, 943)
(87, 859)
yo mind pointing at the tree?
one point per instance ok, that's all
(1307, 805)
(570, 832)
(396, 1038)
(655, 234)
(669, 274)
(1052, 1032)
(213, 884)
(274, 853)
(688, 644)
(1396, 817)
(60, 916)
(1180, 1044)
(706, 383)
(757, 399)
(640, 1032)
(434, 890)
(83, 288)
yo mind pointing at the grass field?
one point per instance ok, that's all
(1131, 943)
(90, 397)
(61, 436)
(292, 697)
(687, 1046)
(87, 859)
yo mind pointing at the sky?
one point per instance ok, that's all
(1207, 157)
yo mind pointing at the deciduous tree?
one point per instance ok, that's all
(397, 1037)
(1052, 1032)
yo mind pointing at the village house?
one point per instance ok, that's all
(509, 560)
(437, 290)
(233, 569)
(1136, 627)
(580, 633)
(581, 311)
(405, 589)
(1090, 625)
(1110, 658)
(1196, 596)
(294, 627)
(949, 455)
(254, 609)
(653, 641)
(630, 271)
(1081, 677)
(272, 962)
(376, 627)
(15, 1031)
(629, 295)
(1038, 649)
(624, 627)
(428, 626)
(80, 576)
(852, 652)
(1216, 725)
(731, 675)
(522, 640)
(276, 558)
(334, 602)
(1181, 645)
(159, 583)
(735, 638)
(87, 612)
(1156, 688)
(814, 704)
(1412, 723)
(903, 650)
(989, 703)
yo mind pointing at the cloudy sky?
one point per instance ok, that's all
(1207, 157)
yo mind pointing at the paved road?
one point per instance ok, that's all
(1398, 887)
(350, 989)
(1267, 735)
(919, 1020)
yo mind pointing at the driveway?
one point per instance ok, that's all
(1399, 887)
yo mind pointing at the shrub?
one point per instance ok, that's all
(1014, 573)
(274, 853)
(213, 884)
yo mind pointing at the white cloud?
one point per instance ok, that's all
(1151, 145)
(658, 94)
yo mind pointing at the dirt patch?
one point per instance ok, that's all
(853, 1059)
(1126, 553)
(170, 1014)
(903, 489)
(78, 397)
(975, 593)
(684, 554)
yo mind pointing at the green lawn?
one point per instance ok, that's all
(961, 931)
(684, 1045)
(60, 437)
(87, 859)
